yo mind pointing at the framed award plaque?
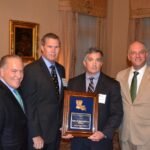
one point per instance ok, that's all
(80, 114)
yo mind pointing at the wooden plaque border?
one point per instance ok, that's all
(66, 110)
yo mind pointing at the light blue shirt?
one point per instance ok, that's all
(49, 64)
(12, 91)
(95, 80)
(9, 87)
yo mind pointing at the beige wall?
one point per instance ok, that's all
(117, 36)
(44, 12)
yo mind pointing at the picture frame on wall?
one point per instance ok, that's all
(24, 39)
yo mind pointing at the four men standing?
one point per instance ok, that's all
(42, 89)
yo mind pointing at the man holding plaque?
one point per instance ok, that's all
(109, 103)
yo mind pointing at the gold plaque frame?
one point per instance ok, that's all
(24, 39)
(71, 99)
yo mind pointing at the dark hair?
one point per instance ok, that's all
(93, 50)
(50, 36)
(3, 60)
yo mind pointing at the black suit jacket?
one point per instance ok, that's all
(110, 114)
(43, 107)
(13, 122)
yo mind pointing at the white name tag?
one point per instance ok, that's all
(65, 83)
(102, 98)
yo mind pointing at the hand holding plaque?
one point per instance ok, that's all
(80, 114)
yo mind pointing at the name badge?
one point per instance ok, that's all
(65, 83)
(102, 98)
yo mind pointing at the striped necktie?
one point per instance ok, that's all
(19, 99)
(91, 85)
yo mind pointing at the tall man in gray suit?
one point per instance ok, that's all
(135, 87)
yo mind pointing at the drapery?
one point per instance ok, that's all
(70, 31)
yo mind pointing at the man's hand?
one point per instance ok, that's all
(97, 136)
(38, 142)
(68, 136)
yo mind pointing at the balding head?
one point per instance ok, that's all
(137, 54)
(11, 70)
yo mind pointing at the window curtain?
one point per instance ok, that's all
(68, 40)
(139, 11)
(90, 33)
(69, 31)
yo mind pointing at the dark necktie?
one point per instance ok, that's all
(91, 85)
(133, 88)
(55, 79)
(19, 99)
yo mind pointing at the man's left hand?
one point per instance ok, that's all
(97, 136)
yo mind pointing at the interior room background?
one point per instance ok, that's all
(124, 22)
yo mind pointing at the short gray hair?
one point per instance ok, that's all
(93, 50)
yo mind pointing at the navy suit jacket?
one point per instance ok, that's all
(43, 107)
(109, 114)
(13, 122)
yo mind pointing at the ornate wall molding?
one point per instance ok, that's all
(65, 5)
(139, 8)
(90, 7)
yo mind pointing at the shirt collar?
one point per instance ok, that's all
(47, 62)
(96, 76)
(9, 87)
(141, 70)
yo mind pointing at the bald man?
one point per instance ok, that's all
(135, 86)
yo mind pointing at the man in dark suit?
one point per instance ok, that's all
(109, 99)
(43, 92)
(13, 122)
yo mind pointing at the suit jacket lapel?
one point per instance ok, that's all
(44, 68)
(60, 75)
(81, 83)
(10, 94)
(125, 86)
(99, 83)
(45, 71)
(145, 79)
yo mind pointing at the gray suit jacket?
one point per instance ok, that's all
(136, 122)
